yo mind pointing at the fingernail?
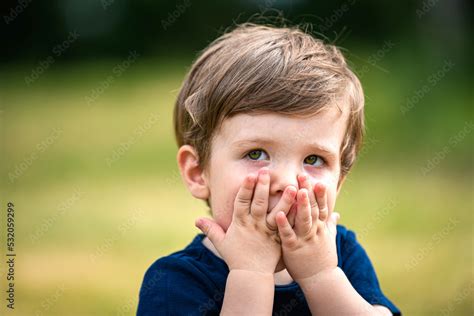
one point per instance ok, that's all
(264, 177)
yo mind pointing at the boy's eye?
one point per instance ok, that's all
(255, 154)
(314, 160)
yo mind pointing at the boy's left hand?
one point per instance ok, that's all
(310, 246)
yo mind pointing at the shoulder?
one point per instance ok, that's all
(193, 264)
(186, 262)
(159, 274)
(352, 257)
(179, 282)
(346, 240)
(344, 233)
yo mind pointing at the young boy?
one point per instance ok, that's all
(269, 122)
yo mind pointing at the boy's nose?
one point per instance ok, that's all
(282, 177)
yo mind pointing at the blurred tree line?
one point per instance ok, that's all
(33, 29)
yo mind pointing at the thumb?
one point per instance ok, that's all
(211, 229)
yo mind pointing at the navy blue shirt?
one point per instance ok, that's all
(192, 281)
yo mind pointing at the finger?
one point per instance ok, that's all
(259, 206)
(303, 221)
(212, 230)
(244, 197)
(320, 190)
(286, 201)
(287, 235)
(305, 182)
(292, 214)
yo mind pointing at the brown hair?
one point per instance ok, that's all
(257, 68)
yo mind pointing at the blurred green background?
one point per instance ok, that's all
(87, 90)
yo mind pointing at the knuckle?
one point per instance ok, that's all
(259, 202)
(270, 234)
(291, 242)
(309, 237)
(256, 226)
(286, 234)
(306, 221)
(270, 222)
(240, 200)
(287, 231)
(208, 229)
(320, 226)
(241, 221)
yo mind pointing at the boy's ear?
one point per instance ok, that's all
(191, 173)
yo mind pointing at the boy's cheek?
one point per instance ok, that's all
(223, 220)
(228, 211)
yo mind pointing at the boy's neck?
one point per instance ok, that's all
(281, 277)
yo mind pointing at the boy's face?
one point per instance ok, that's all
(287, 145)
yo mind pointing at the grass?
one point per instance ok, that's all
(84, 262)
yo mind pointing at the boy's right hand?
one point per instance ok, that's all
(249, 244)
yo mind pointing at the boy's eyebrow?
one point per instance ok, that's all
(254, 141)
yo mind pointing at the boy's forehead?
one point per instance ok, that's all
(326, 127)
(245, 125)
